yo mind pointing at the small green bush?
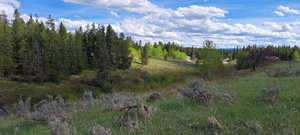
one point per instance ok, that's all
(296, 56)
(211, 60)
(179, 55)
(156, 51)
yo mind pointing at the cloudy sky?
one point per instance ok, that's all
(228, 23)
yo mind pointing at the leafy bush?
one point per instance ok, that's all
(145, 55)
(155, 51)
(243, 62)
(212, 60)
(296, 56)
(179, 55)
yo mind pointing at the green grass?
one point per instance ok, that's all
(158, 74)
(156, 65)
(176, 115)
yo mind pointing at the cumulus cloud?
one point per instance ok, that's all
(279, 13)
(71, 25)
(138, 6)
(193, 24)
(283, 10)
(189, 25)
(8, 7)
(288, 10)
(114, 14)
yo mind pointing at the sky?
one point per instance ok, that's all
(229, 23)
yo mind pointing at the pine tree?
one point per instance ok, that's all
(90, 46)
(79, 59)
(111, 38)
(123, 59)
(102, 51)
(20, 44)
(65, 46)
(7, 64)
(52, 56)
(31, 37)
(144, 55)
(44, 53)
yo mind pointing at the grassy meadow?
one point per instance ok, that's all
(157, 74)
(245, 114)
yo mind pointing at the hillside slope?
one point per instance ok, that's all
(227, 107)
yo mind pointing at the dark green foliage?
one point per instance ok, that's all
(123, 59)
(104, 80)
(145, 55)
(7, 63)
(252, 56)
(34, 51)
(251, 60)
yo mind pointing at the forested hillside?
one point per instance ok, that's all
(40, 51)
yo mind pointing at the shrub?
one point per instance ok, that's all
(145, 55)
(270, 94)
(198, 91)
(135, 54)
(179, 55)
(296, 56)
(104, 80)
(243, 62)
(156, 51)
(211, 58)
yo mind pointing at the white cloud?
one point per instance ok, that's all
(198, 12)
(283, 10)
(191, 25)
(14, 3)
(288, 10)
(279, 13)
(114, 14)
(8, 7)
(185, 25)
(71, 25)
(138, 6)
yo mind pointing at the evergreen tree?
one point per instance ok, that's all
(52, 56)
(79, 57)
(123, 59)
(65, 45)
(44, 53)
(20, 45)
(111, 38)
(145, 55)
(102, 51)
(7, 64)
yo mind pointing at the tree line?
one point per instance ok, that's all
(39, 51)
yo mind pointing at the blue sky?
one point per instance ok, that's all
(188, 22)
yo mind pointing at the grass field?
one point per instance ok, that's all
(156, 75)
(246, 114)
